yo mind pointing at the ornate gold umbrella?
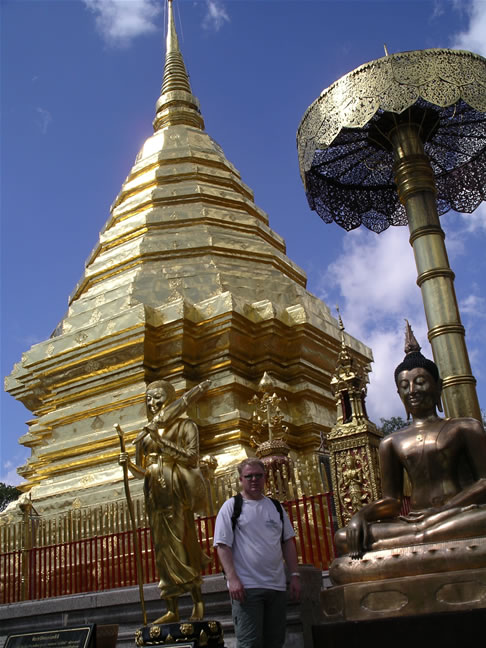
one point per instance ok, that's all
(399, 141)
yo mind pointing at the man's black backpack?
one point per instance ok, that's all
(239, 504)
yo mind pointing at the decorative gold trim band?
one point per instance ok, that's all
(414, 174)
(426, 230)
(435, 273)
(446, 328)
(453, 381)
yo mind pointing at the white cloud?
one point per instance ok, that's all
(476, 222)
(474, 305)
(120, 21)
(376, 277)
(216, 15)
(44, 118)
(474, 37)
(438, 9)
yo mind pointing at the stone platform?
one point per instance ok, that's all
(122, 607)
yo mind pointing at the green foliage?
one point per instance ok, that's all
(392, 424)
(7, 494)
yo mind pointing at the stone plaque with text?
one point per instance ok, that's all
(79, 637)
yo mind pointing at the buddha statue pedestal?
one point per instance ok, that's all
(427, 607)
(374, 587)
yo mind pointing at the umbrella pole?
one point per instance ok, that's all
(416, 188)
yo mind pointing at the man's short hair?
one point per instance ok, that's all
(250, 461)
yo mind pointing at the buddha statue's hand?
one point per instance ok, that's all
(123, 458)
(357, 535)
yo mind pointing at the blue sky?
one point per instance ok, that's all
(79, 81)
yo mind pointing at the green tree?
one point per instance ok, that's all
(392, 424)
(7, 494)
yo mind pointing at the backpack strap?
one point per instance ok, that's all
(238, 505)
(279, 508)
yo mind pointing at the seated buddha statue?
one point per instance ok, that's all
(431, 449)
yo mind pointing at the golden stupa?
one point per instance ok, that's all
(187, 282)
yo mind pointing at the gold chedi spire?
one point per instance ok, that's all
(176, 104)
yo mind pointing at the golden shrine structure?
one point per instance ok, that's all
(353, 441)
(187, 282)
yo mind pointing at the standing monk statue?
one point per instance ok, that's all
(167, 458)
(431, 449)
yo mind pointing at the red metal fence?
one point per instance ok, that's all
(108, 561)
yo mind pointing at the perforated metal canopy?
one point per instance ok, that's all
(345, 156)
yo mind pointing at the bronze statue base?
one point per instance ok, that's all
(414, 560)
(197, 634)
(401, 597)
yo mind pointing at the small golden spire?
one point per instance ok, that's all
(267, 383)
(384, 45)
(341, 325)
(172, 42)
(176, 104)
(344, 358)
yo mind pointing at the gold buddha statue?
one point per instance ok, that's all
(167, 458)
(432, 450)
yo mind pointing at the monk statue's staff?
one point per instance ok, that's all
(131, 512)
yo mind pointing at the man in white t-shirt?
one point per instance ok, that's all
(252, 550)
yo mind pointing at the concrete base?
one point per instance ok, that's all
(403, 597)
(122, 607)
